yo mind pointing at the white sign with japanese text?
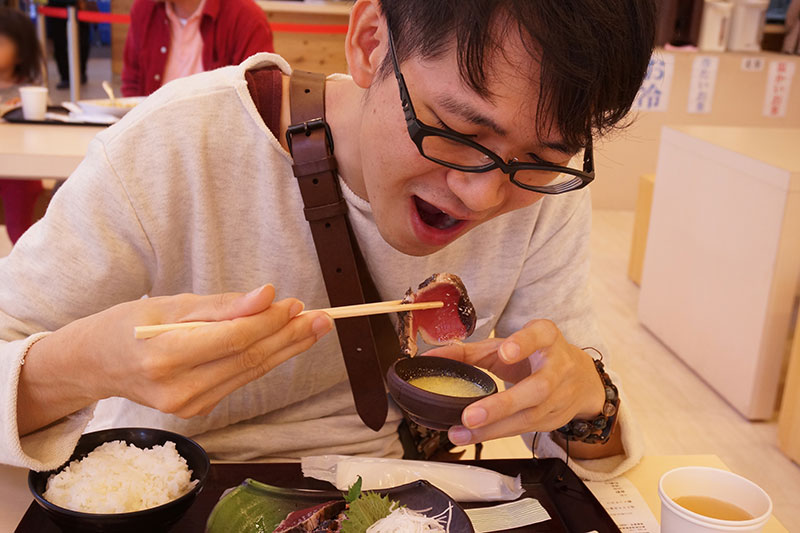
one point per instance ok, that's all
(701, 85)
(779, 85)
(653, 95)
(752, 64)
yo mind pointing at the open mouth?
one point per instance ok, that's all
(433, 216)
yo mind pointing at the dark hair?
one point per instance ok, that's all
(593, 54)
(20, 29)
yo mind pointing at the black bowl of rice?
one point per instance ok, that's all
(124, 479)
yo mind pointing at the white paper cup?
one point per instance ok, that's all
(715, 483)
(34, 102)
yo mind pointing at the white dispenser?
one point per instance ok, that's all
(715, 26)
(747, 26)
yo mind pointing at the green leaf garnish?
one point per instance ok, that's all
(367, 509)
(354, 492)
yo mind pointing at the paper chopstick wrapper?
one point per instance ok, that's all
(463, 483)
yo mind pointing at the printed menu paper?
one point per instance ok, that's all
(625, 505)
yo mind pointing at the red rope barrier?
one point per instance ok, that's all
(308, 28)
(121, 18)
(55, 12)
(97, 16)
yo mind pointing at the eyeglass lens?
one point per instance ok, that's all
(448, 151)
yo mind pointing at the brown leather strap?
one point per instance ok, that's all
(265, 85)
(311, 146)
(386, 340)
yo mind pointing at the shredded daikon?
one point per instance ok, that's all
(404, 520)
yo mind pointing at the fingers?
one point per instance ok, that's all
(230, 337)
(485, 355)
(194, 390)
(202, 402)
(473, 353)
(554, 383)
(508, 427)
(188, 371)
(269, 352)
(536, 404)
(239, 334)
(558, 390)
(218, 307)
(536, 336)
(525, 348)
(526, 394)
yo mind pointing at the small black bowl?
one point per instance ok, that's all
(430, 409)
(154, 519)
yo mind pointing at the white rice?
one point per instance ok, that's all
(120, 478)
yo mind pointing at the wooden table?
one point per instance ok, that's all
(646, 474)
(789, 419)
(34, 151)
(15, 498)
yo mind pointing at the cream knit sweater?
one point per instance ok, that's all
(190, 192)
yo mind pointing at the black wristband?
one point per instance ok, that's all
(598, 429)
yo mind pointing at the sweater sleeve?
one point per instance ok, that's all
(554, 285)
(88, 253)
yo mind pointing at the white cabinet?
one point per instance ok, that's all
(722, 262)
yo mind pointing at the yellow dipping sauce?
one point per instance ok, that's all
(448, 385)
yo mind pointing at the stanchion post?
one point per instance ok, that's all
(41, 34)
(73, 54)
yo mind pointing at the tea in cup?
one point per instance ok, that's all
(699, 499)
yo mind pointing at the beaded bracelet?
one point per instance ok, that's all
(596, 430)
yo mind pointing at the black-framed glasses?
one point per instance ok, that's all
(456, 151)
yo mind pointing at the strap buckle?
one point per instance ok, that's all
(306, 128)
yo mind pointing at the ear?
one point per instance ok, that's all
(365, 45)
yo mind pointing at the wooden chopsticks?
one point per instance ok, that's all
(346, 311)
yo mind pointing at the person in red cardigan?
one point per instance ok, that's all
(169, 39)
(21, 63)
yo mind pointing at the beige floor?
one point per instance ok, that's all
(98, 68)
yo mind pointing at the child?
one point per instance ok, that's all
(20, 64)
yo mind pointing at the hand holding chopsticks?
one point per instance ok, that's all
(393, 306)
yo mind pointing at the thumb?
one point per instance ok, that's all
(251, 303)
(472, 353)
(232, 305)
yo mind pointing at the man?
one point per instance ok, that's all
(193, 193)
(170, 39)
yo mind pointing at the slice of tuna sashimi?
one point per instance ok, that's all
(452, 323)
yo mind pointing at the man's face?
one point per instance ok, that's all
(421, 206)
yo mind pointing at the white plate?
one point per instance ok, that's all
(103, 106)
